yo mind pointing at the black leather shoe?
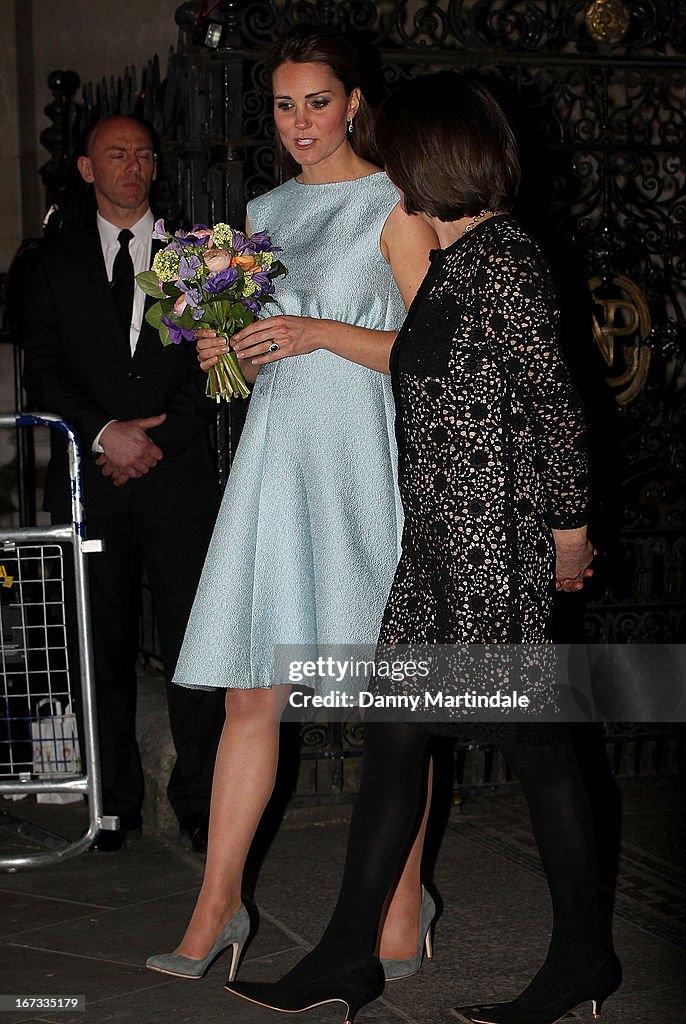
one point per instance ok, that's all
(112, 840)
(195, 829)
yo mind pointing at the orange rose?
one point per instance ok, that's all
(244, 262)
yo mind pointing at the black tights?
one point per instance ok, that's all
(385, 818)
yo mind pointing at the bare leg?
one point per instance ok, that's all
(385, 816)
(400, 924)
(244, 773)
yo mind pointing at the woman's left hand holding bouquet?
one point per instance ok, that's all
(274, 337)
(266, 340)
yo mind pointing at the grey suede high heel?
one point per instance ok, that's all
(234, 934)
(394, 970)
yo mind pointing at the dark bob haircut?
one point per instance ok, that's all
(448, 146)
(321, 44)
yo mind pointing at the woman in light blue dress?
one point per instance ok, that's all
(308, 536)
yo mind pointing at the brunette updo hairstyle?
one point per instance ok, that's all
(448, 146)
(321, 44)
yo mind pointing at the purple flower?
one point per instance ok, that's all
(159, 232)
(197, 236)
(176, 333)
(200, 234)
(192, 295)
(250, 304)
(188, 267)
(217, 283)
(263, 243)
(263, 283)
(191, 301)
(194, 231)
(241, 244)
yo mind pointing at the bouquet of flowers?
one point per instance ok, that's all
(216, 278)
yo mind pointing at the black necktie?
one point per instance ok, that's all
(122, 281)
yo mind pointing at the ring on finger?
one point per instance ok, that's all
(274, 347)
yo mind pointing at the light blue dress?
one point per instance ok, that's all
(308, 534)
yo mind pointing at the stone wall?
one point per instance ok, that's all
(94, 38)
(10, 178)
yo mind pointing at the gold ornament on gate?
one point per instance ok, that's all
(621, 326)
(607, 21)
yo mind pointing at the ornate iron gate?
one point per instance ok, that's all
(597, 90)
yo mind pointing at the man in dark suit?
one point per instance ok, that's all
(150, 488)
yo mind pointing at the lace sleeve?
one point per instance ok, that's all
(519, 319)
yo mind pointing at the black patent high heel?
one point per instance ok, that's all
(595, 990)
(355, 987)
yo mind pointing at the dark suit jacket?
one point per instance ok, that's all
(78, 364)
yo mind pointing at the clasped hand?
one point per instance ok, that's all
(128, 452)
(573, 556)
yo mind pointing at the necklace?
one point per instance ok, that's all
(479, 217)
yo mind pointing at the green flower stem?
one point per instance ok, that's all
(225, 379)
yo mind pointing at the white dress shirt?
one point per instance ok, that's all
(140, 247)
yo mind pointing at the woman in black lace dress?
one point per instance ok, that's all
(493, 478)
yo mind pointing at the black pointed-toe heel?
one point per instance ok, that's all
(595, 990)
(354, 987)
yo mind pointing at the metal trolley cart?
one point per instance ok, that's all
(44, 630)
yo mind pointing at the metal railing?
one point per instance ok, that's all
(46, 662)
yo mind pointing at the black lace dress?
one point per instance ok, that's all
(492, 453)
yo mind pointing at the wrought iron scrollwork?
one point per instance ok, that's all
(58, 137)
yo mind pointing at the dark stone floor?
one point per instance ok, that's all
(86, 926)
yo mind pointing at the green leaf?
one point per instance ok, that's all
(154, 316)
(186, 319)
(149, 283)
(164, 335)
(169, 288)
